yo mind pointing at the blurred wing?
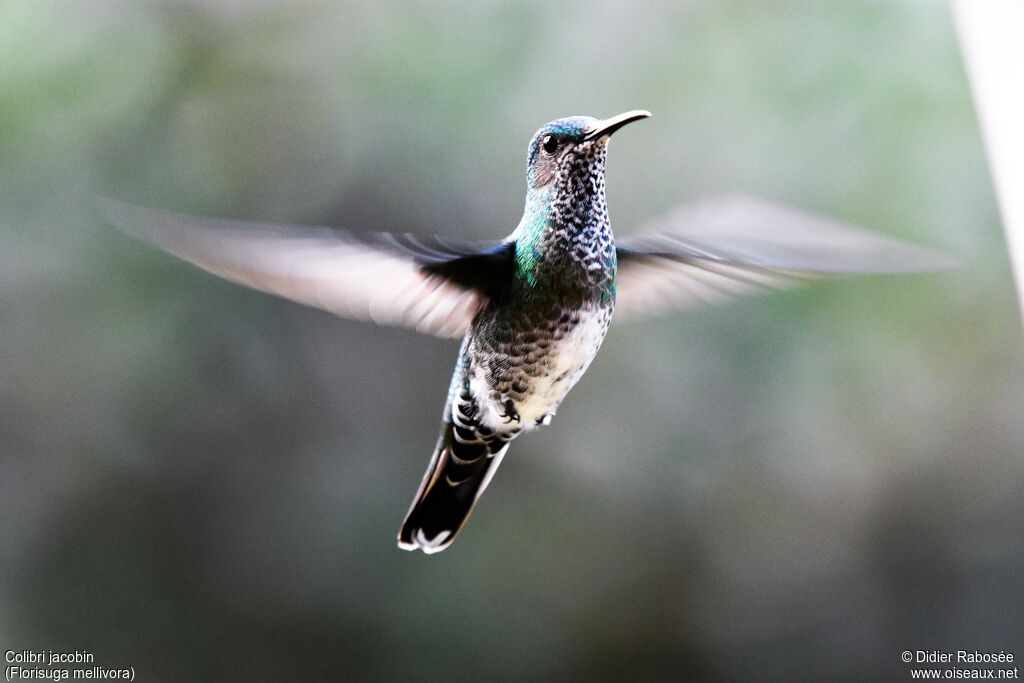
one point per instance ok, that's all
(735, 246)
(428, 284)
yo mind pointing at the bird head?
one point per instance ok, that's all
(568, 155)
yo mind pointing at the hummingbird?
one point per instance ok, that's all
(531, 310)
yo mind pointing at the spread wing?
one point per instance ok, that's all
(735, 246)
(432, 285)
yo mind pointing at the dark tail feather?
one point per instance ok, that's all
(458, 474)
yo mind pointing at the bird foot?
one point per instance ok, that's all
(510, 414)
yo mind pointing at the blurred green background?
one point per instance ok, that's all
(205, 483)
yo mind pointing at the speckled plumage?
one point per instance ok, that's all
(531, 346)
(527, 348)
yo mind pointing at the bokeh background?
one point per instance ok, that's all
(205, 483)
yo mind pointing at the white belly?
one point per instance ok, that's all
(568, 358)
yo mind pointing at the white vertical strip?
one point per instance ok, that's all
(991, 36)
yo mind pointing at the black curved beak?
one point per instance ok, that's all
(609, 126)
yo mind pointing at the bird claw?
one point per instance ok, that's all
(511, 414)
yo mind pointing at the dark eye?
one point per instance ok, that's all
(549, 144)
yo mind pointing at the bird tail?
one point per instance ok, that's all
(460, 470)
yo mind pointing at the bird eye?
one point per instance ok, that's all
(549, 143)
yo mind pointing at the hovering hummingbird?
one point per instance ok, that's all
(532, 309)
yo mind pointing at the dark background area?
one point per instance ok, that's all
(205, 483)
